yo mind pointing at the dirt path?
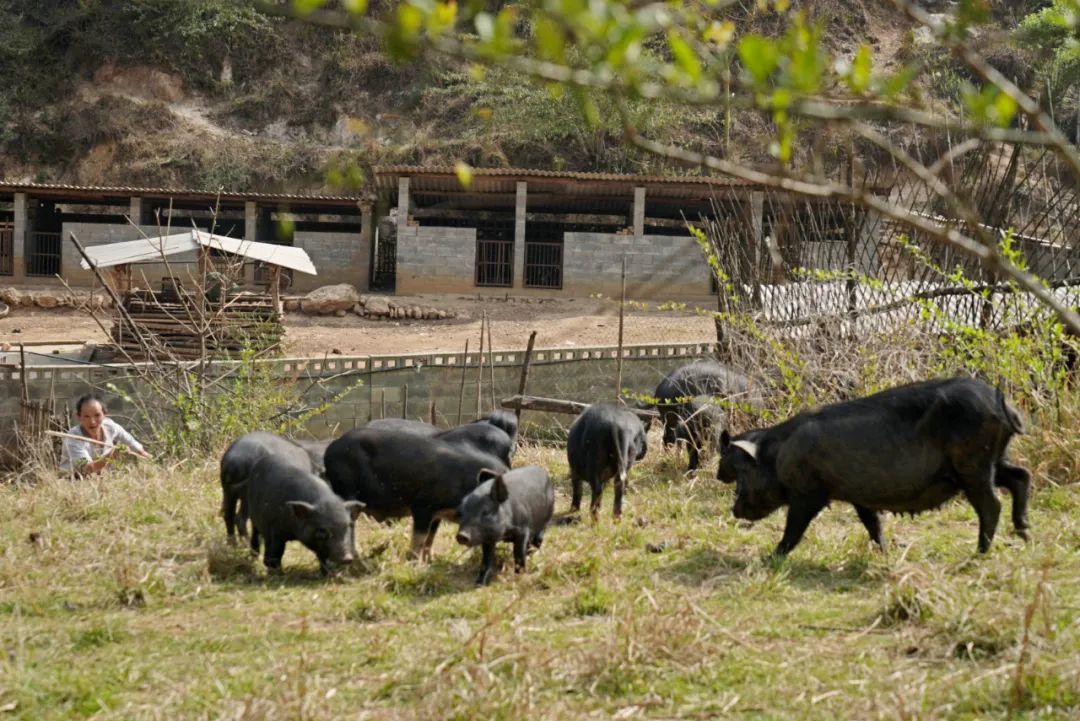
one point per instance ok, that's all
(559, 323)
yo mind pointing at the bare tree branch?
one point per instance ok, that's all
(988, 255)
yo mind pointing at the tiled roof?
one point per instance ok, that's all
(418, 170)
(12, 186)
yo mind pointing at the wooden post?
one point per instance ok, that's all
(405, 401)
(431, 411)
(622, 307)
(464, 368)
(491, 365)
(22, 373)
(525, 372)
(275, 289)
(480, 367)
(203, 269)
(851, 216)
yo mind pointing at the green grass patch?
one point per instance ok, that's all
(135, 607)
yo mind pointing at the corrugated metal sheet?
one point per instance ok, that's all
(143, 249)
(477, 173)
(16, 187)
(151, 249)
(441, 184)
(286, 256)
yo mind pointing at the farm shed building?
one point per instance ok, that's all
(419, 230)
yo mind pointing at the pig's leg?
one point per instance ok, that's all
(255, 541)
(1018, 481)
(692, 448)
(988, 508)
(801, 511)
(228, 512)
(872, 521)
(422, 520)
(620, 484)
(487, 565)
(521, 543)
(242, 517)
(274, 549)
(596, 492)
(430, 540)
(576, 483)
(537, 540)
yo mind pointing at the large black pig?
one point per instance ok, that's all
(515, 506)
(907, 449)
(403, 425)
(505, 420)
(397, 475)
(288, 503)
(236, 465)
(684, 399)
(604, 442)
(483, 437)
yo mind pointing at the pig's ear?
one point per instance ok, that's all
(486, 473)
(748, 446)
(301, 509)
(499, 491)
(725, 438)
(354, 508)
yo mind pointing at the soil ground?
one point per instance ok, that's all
(559, 322)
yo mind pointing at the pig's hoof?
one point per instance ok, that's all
(1023, 533)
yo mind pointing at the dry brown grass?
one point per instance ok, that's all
(119, 599)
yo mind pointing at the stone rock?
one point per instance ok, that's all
(291, 305)
(45, 299)
(13, 297)
(377, 306)
(339, 313)
(330, 299)
(4, 310)
(358, 309)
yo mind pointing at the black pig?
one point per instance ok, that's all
(481, 436)
(684, 399)
(236, 465)
(397, 475)
(604, 442)
(287, 503)
(515, 506)
(905, 450)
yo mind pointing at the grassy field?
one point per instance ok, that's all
(119, 600)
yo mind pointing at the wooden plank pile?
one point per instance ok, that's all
(173, 326)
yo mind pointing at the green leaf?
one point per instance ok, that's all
(306, 7)
(464, 173)
(684, 55)
(403, 38)
(1004, 109)
(896, 83)
(759, 56)
(861, 66)
(719, 33)
(356, 7)
(549, 40)
(588, 108)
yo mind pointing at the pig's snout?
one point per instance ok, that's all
(464, 538)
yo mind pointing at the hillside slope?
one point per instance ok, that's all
(207, 94)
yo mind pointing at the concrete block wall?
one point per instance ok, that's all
(584, 374)
(338, 258)
(432, 259)
(658, 267)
